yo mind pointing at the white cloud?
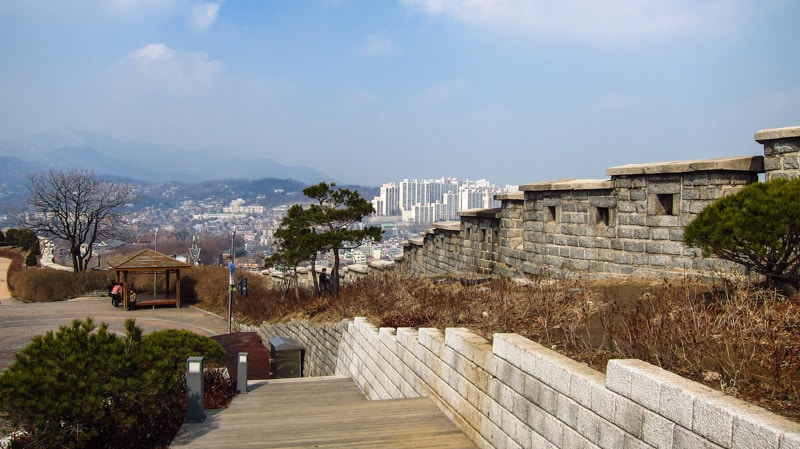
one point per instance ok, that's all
(589, 19)
(204, 15)
(378, 43)
(160, 67)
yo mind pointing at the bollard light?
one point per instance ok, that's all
(241, 373)
(194, 390)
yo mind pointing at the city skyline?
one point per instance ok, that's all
(512, 90)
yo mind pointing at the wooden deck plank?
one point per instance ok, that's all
(321, 413)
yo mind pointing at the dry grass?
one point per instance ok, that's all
(734, 336)
(46, 285)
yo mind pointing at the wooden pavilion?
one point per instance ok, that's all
(152, 262)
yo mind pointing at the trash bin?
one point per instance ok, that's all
(286, 357)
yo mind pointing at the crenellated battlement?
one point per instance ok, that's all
(628, 224)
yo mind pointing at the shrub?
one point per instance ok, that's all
(758, 227)
(23, 238)
(31, 260)
(101, 390)
(45, 284)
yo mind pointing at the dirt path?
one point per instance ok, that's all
(5, 294)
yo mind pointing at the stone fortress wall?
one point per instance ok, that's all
(630, 224)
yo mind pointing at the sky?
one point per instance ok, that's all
(374, 91)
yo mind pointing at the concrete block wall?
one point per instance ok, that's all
(514, 393)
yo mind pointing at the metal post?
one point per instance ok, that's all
(194, 390)
(155, 248)
(231, 267)
(241, 373)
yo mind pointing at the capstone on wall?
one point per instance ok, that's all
(629, 224)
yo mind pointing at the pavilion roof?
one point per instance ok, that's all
(146, 259)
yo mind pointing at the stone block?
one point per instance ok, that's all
(610, 436)
(790, 441)
(652, 247)
(754, 427)
(539, 442)
(553, 430)
(603, 403)
(634, 246)
(660, 261)
(567, 411)
(657, 431)
(684, 439)
(664, 188)
(677, 397)
(663, 221)
(588, 424)
(572, 438)
(632, 442)
(772, 163)
(714, 415)
(629, 416)
(785, 146)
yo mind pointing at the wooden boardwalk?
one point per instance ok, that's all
(329, 412)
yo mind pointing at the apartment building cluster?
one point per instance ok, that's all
(237, 206)
(431, 200)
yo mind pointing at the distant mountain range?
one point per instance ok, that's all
(168, 173)
(143, 161)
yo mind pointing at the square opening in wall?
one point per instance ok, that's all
(601, 216)
(665, 204)
(483, 235)
(550, 214)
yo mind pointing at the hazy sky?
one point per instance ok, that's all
(371, 91)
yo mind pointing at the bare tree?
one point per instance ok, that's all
(78, 208)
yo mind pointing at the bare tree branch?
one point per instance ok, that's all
(78, 208)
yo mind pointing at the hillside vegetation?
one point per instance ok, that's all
(733, 336)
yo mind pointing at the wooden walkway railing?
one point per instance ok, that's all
(329, 412)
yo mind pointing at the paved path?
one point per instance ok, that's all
(20, 322)
(321, 412)
(286, 413)
(5, 295)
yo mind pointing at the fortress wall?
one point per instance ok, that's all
(514, 393)
(629, 224)
(781, 151)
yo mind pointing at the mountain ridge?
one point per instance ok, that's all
(146, 161)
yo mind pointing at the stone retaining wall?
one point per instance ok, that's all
(320, 341)
(514, 393)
